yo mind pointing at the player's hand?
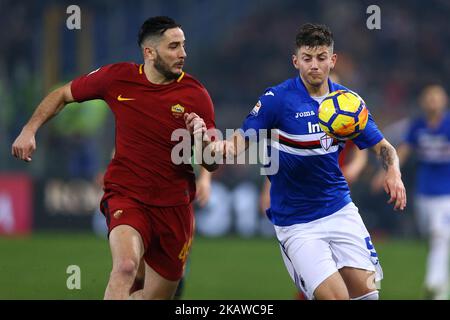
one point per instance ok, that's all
(194, 123)
(24, 145)
(393, 185)
(199, 126)
(224, 148)
(203, 191)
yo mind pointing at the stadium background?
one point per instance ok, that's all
(237, 49)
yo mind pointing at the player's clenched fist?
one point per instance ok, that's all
(24, 146)
(224, 148)
(194, 123)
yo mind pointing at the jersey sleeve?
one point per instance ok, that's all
(264, 115)
(205, 108)
(92, 85)
(370, 136)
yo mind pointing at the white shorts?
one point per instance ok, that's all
(315, 250)
(433, 213)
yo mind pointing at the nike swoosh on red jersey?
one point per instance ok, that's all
(120, 98)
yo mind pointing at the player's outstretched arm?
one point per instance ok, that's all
(25, 144)
(230, 148)
(225, 148)
(393, 184)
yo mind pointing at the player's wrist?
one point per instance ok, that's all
(29, 129)
(205, 179)
(394, 171)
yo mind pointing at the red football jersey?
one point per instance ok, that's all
(146, 114)
(343, 156)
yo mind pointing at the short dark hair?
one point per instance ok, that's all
(155, 26)
(314, 35)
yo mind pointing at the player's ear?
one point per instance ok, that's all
(333, 60)
(295, 61)
(149, 53)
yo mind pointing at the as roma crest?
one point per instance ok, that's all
(177, 110)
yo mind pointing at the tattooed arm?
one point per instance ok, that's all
(393, 184)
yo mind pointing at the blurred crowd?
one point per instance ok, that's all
(237, 49)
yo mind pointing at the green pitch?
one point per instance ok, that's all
(226, 268)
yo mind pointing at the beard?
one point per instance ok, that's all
(163, 68)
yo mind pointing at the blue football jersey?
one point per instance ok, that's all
(309, 184)
(433, 152)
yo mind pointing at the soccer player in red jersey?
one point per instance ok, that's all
(147, 200)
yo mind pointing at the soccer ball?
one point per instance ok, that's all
(343, 115)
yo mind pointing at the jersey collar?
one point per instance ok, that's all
(304, 92)
(141, 72)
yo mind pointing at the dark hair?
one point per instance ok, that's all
(314, 35)
(155, 26)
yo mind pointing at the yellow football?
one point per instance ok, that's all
(343, 115)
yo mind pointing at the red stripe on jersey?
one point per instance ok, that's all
(314, 143)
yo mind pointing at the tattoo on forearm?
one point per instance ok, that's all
(387, 158)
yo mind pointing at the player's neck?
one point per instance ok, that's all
(317, 91)
(154, 76)
(434, 119)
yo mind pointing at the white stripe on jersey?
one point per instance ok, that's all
(301, 137)
(304, 152)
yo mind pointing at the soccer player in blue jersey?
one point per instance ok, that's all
(429, 137)
(324, 243)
